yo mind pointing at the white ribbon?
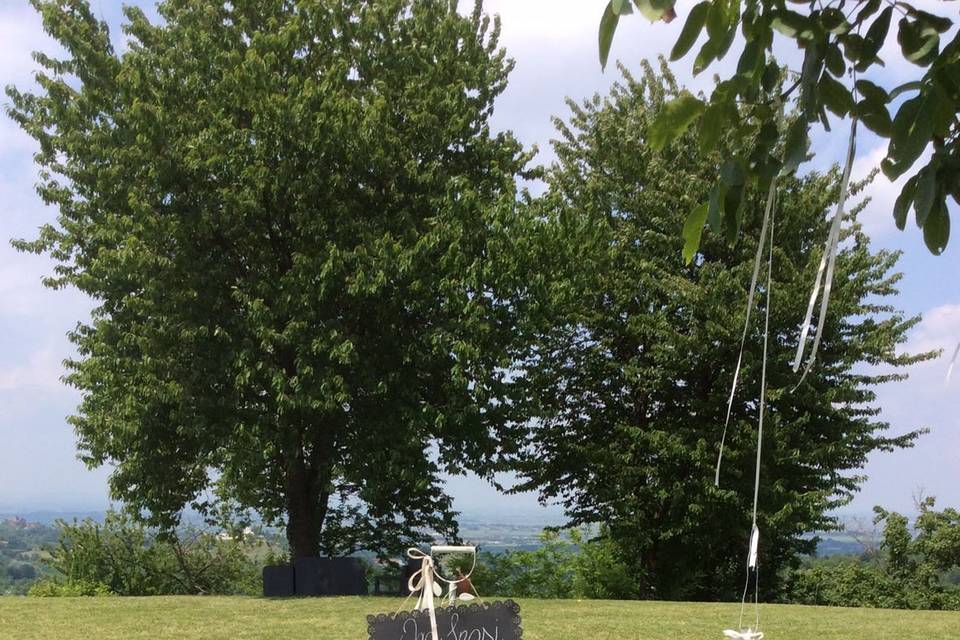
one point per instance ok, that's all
(827, 264)
(753, 549)
(758, 258)
(748, 634)
(422, 581)
(953, 361)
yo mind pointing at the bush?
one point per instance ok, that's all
(126, 558)
(53, 588)
(576, 566)
(911, 572)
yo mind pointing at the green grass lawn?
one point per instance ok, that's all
(214, 618)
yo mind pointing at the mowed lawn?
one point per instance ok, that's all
(215, 618)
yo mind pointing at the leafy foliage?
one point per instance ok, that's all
(122, 557)
(291, 217)
(577, 565)
(841, 42)
(909, 574)
(632, 376)
(52, 588)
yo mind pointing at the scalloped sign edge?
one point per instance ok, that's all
(499, 620)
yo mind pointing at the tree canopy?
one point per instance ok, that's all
(633, 373)
(290, 217)
(841, 44)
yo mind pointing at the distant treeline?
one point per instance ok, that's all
(904, 568)
(20, 554)
(119, 556)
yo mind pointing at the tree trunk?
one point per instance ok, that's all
(305, 514)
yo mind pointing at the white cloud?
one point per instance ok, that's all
(924, 400)
(21, 31)
(42, 370)
(877, 217)
(940, 329)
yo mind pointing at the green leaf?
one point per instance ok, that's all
(945, 109)
(715, 211)
(875, 116)
(938, 23)
(751, 58)
(691, 30)
(726, 39)
(834, 60)
(771, 76)
(936, 230)
(906, 87)
(834, 21)
(718, 19)
(835, 96)
(810, 72)
(926, 193)
(693, 231)
(795, 146)
(706, 55)
(654, 10)
(872, 92)
(919, 45)
(877, 32)
(912, 129)
(608, 26)
(791, 23)
(868, 10)
(716, 119)
(733, 211)
(854, 47)
(902, 205)
(622, 7)
(765, 167)
(675, 117)
(733, 173)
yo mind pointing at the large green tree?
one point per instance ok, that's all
(633, 375)
(289, 216)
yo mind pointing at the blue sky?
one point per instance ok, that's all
(554, 44)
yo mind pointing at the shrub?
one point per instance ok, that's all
(129, 559)
(53, 588)
(576, 566)
(912, 571)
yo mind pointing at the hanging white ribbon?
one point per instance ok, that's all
(422, 581)
(753, 549)
(827, 264)
(757, 260)
(953, 361)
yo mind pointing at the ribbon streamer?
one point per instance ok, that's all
(422, 581)
(953, 361)
(827, 264)
(757, 260)
(426, 583)
(753, 549)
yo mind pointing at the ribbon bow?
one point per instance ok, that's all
(422, 581)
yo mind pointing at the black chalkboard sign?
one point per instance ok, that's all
(486, 621)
